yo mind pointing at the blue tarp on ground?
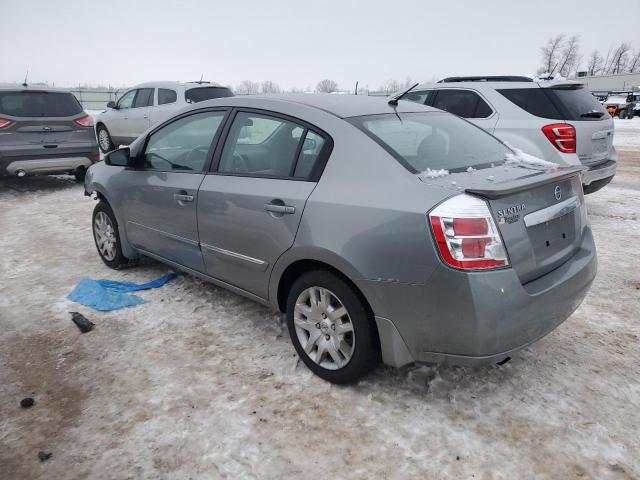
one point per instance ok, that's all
(108, 295)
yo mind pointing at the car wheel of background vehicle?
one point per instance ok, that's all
(106, 236)
(622, 115)
(80, 173)
(104, 139)
(631, 113)
(331, 327)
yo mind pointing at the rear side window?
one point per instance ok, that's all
(464, 103)
(166, 95)
(311, 150)
(533, 100)
(39, 104)
(432, 140)
(199, 94)
(144, 98)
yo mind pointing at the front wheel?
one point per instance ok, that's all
(80, 173)
(104, 139)
(331, 327)
(106, 236)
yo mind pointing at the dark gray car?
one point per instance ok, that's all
(400, 233)
(44, 131)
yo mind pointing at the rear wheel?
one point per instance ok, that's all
(106, 236)
(331, 327)
(104, 139)
(623, 114)
(80, 173)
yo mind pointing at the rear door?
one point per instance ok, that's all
(160, 195)
(594, 127)
(250, 207)
(166, 105)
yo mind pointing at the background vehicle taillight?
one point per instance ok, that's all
(86, 121)
(5, 122)
(562, 136)
(466, 235)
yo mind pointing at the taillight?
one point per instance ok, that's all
(95, 157)
(5, 122)
(562, 136)
(466, 235)
(86, 121)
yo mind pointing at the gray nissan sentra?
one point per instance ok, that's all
(386, 232)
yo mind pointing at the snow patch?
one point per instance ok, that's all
(428, 173)
(522, 159)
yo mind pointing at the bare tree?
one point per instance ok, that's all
(569, 56)
(595, 64)
(390, 86)
(550, 53)
(326, 86)
(296, 90)
(247, 87)
(634, 62)
(269, 86)
(619, 58)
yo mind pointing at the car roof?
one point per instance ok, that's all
(494, 84)
(175, 84)
(342, 106)
(34, 88)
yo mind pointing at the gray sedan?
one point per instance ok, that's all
(393, 232)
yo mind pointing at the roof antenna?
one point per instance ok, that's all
(393, 101)
(201, 77)
(24, 84)
(356, 87)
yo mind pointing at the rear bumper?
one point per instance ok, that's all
(603, 171)
(41, 164)
(474, 318)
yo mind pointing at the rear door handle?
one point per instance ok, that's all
(182, 197)
(270, 207)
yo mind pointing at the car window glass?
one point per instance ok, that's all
(311, 149)
(459, 102)
(166, 95)
(260, 145)
(126, 101)
(533, 100)
(183, 145)
(39, 104)
(420, 97)
(199, 94)
(144, 98)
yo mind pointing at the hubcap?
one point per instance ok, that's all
(324, 328)
(105, 236)
(103, 138)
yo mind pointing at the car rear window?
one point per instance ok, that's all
(39, 104)
(433, 141)
(199, 94)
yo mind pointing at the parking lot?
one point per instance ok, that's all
(202, 383)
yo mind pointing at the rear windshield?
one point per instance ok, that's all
(200, 94)
(39, 104)
(568, 102)
(433, 141)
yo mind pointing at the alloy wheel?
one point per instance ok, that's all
(105, 236)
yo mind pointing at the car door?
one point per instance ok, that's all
(250, 206)
(161, 194)
(166, 105)
(118, 119)
(466, 104)
(139, 114)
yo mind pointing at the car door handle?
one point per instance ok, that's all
(180, 197)
(274, 208)
(146, 116)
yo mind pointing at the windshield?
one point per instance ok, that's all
(429, 141)
(200, 94)
(39, 104)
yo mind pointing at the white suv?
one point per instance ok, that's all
(146, 105)
(560, 121)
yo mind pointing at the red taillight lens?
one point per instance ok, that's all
(562, 136)
(466, 235)
(85, 121)
(5, 122)
(95, 157)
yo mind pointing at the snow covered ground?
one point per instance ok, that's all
(627, 133)
(201, 383)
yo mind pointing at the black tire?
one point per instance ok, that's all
(631, 113)
(119, 260)
(80, 173)
(622, 114)
(366, 351)
(105, 144)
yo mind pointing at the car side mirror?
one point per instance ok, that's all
(118, 158)
(112, 104)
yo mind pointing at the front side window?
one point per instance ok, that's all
(260, 145)
(144, 98)
(126, 101)
(433, 140)
(166, 95)
(464, 103)
(183, 145)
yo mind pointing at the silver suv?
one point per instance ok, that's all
(559, 121)
(148, 104)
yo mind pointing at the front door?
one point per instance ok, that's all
(249, 210)
(139, 115)
(161, 194)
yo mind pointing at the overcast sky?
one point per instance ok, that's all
(295, 43)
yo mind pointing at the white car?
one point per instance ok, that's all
(146, 105)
